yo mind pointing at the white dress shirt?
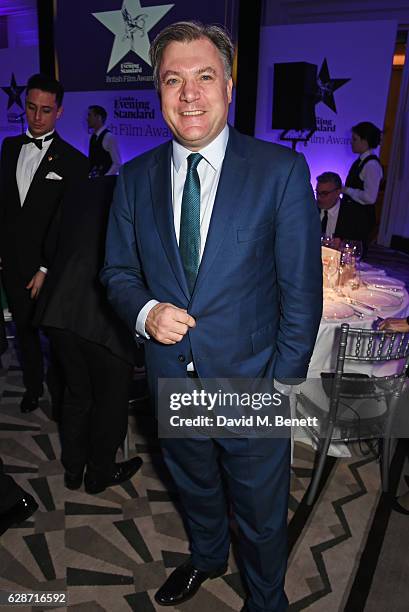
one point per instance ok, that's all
(209, 169)
(27, 165)
(371, 175)
(332, 217)
(110, 145)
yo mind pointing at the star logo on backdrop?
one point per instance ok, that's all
(14, 92)
(131, 26)
(326, 87)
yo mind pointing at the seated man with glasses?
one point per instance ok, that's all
(333, 214)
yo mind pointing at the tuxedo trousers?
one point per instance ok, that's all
(94, 417)
(10, 492)
(252, 478)
(29, 350)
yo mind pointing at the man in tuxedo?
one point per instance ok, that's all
(328, 192)
(338, 218)
(35, 170)
(213, 255)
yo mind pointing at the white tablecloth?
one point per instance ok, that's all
(325, 351)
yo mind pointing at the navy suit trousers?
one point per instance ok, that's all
(251, 477)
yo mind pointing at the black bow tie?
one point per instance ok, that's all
(37, 141)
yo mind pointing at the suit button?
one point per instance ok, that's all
(182, 358)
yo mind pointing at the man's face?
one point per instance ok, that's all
(359, 145)
(327, 195)
(195, 95)
(42, 112)
(92, 120)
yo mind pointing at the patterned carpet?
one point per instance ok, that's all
(113, 550)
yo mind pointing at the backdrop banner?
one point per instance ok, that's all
(353, 63)
(16, 65)
(104, 44)
(134, 118)
(102, 55)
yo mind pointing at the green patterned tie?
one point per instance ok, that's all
(189, 238)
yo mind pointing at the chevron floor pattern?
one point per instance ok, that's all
(113, 550)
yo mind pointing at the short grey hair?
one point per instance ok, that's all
(187, 31)
(330, 177)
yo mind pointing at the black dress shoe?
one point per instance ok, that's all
(122, 472)
(73, 480)
(28, 403)
(183, 584)
(20, 512)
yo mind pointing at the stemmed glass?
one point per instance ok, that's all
(331, 270)
(349, 275)
(355, 247)
(327, 240)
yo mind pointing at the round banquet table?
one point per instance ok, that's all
(325, 351)
(324, 356)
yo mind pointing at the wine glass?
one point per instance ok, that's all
(326, 240)
(349, 276)
(355, 247)
(331, 270)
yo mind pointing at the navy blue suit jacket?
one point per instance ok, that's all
(258, 296)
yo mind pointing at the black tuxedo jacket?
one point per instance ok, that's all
(72, 297)
(346, 222)
(23, 229)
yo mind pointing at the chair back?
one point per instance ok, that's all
(373, 346)
(368, 346)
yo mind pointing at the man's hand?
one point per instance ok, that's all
(167, 323)
(36, 283)
(396, 325)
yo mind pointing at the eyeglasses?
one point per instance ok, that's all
(325, 193)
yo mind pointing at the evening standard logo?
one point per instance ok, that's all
(326, 134)
(130, 68)
(326, 125)
(131, 107)
(130, 24)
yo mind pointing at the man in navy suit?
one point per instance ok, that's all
(213, 255)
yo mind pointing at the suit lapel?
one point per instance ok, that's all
(161, 189)
(229, 195)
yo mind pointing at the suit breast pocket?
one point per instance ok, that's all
(255, 233)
